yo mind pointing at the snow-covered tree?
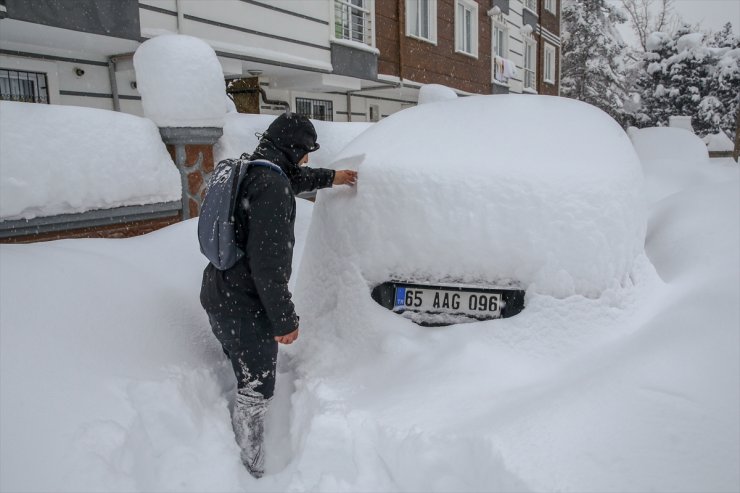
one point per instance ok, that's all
(724, 88)
(592, 68)
(684, 75)
(649, 16)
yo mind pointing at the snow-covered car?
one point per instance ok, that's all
(464, 205)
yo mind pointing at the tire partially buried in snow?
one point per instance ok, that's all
(542, 192)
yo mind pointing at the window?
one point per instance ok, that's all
(530, 59)
(531, 5)
(549, 63)
(374, 113)
(26, 87)
(500, 40)
(550, 6)
(502, 66)
(353, 21)
(466, 27)
(317, 109)
(421, 19)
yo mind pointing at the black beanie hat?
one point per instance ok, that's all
(293, 134)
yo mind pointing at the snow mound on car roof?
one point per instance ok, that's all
(544, 192)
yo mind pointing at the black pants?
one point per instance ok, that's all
(249, 344)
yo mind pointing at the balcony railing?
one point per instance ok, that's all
(25, 87)
(353, 21)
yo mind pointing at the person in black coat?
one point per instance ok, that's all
(249, 305)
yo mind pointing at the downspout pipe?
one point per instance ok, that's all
(112, 67)
(180, 16)
(113, 83)
(273, 102)
(349, 106)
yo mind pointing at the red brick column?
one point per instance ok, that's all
(192, 151)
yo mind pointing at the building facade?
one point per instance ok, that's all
(340, 60)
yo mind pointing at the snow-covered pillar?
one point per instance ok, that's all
(183, 91)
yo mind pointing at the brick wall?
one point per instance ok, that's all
(198, 165)
(426, 63)
(550, 22)
(123, 230)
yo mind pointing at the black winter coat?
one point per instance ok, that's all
(265, 231)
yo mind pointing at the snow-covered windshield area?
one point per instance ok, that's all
(542, 192)
(68, 159)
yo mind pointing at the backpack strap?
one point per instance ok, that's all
(268, 164)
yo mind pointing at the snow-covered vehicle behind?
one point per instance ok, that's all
(463, 205)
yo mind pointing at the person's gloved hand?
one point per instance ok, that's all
(345, 177)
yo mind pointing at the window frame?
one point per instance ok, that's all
(472, 7)
(338, 24)
(552, 6)
(548, 67)
(327, 104)
(530, 5)
(530, 52)
(502, 27)
(373, 113)
(432, 20)
(37, 87)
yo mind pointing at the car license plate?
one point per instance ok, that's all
(439, 300)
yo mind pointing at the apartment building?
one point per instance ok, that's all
(340, 60)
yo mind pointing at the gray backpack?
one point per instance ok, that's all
(216, 224)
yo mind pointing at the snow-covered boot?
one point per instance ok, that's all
(249, 425)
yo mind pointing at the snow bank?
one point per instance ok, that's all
(673, 160)
(127, 389)
(431, 93)
(66, 159)
(484, 201)
(719, 142)
(181, 82)
(240, 129)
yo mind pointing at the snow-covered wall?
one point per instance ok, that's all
(67, 159)
(181, 82)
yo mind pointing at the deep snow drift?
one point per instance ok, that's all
(111, 381)
(119, 160)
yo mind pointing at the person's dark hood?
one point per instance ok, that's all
(288, 138)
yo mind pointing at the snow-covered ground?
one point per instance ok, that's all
(110, 379)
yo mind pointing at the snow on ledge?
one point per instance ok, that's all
(355, 44)
(67, 159)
